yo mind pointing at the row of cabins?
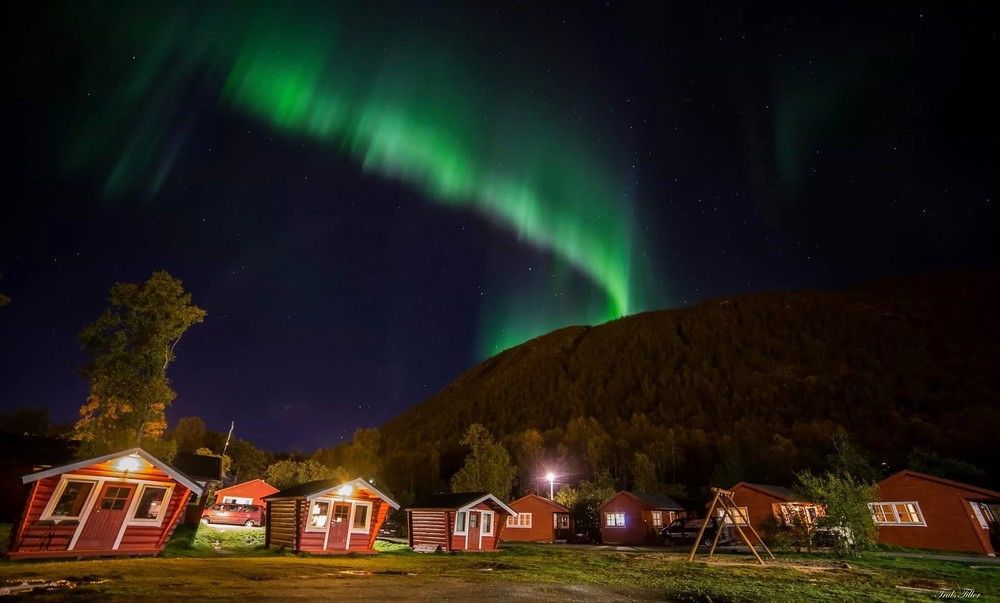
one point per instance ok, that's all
(129, 503)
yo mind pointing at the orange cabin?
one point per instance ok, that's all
(126, 503)
(327, 517)
(929, 512)
(463, 521)
(764, 504)
(246, 493)
(538, 519)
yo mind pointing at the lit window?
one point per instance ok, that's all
(487, 524)
(460, 523)
(657, 518)
(319, 514)
(614, 520)
(151, 502)
(896, 513)
(521, 520)
(72, 499)
(115, 497)
(563, 521)
(360, 517)
(740, 513)
(340, 513)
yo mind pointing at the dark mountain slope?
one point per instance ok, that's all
(900, 364)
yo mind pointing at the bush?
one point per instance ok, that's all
(847, 512)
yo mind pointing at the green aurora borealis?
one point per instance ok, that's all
(401, 100)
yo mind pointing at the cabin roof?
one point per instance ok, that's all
(458, 500)
(947, 482)
(173, 472)
(320, 486)
(248, 482)
(652, 500)
(780, 492)
(559, 508)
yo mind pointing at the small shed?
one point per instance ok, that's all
(764, 504)
(327, 517)
(125, 503)
(538, 519)
(929, 512)
(463, 521)
(636, 517)
(246, 493)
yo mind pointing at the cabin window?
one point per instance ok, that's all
(487, 524)
(740, 513)
(897, 514)
(983, 514)
(361, 517)
(340, 513)
(72, 499)
(319, 515)
(614, 520)
(521, 520)
(657, 519)
(473, 520)
(807, 514)
(114, 498)
(460, 523)
(562, 521)
(151, 503)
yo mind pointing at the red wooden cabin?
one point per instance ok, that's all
(463, 521)
(636, 517)
(929, 512)
(126, 503)
(538, 519)
(327, 517)
(764, 505)
(246, 493)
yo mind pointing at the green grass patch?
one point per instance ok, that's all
(206, 541)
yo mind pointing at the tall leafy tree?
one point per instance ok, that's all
(130, 346)
(488, 466)
(189, 433)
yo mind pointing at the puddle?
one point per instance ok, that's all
(22, 587)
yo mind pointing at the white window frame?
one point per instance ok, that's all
(329, 515)
(134, 507)
(60, 487)
(368, 517)
(657, 518)
(895, 514)
(493, 524)
(742, 514)
(615, 514)
(465, 523)
(522, 520)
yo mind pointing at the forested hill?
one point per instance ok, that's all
(747, 387)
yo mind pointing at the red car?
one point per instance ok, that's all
(236, 515)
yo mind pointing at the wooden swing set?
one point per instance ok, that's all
(723, 500)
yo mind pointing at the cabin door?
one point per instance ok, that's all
(472, 533)
(101, 527)
(339, 527)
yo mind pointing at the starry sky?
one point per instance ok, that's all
(369, 198)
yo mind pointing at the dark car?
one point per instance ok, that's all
(233, 514)
(685, 531)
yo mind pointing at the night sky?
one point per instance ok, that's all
(368, 200)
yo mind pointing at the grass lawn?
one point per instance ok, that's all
(229, 565)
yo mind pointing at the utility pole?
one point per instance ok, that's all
(231, 426)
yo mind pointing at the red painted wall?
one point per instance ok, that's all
(312, 542)
(255, 489)
(541, 529)
(951, 524)
(35, 540)
(760, 506)
(638, 528)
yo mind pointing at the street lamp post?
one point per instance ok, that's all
(552, 479)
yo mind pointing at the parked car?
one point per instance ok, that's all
(685, 531)
(828, 536)
(236, 515)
